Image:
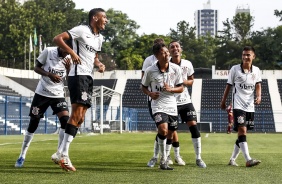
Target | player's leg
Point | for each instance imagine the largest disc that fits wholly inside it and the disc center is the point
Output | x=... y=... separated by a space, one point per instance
x=81 y=89
x=175 y=144
x=235 y=154
x=38 y=107
x=162 y=120
x=240 y=118
x=154 y=159
x=169 y=138
x=60 y=108
x=188 y=115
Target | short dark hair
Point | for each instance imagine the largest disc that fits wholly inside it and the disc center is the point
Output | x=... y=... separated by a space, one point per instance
x=94 y=12
x=157 y=47
x=173 y=42
x=249 y=48
x=158 y=40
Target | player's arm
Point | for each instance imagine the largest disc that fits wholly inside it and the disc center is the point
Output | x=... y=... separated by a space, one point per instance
x=99 y=64
x=177 y=89
x=258 y=93
x=38 y=69
x=59 y=40
x=224 y=97
x=189 y=81
x=153 y=95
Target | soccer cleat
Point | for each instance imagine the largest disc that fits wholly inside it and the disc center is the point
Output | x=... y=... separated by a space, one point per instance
x=164 y=165
x=252 y=162
x=19 y=162
x=201 y=163
x=66 y=164
x=152 y=162
x=232 y=163
x=179 y=160
x=169 y=160
x=56 y=158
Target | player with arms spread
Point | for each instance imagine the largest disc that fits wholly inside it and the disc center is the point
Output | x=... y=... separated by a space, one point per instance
x=165 y=79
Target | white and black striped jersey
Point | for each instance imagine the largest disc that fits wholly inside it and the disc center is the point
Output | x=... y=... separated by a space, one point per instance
x=244 y=86
x=154 y=78
x=86 y=44
x=187 y=70
x=52 y=63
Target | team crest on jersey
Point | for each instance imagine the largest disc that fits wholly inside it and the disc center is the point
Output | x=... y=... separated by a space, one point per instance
x=158 y=118
x=240 y=120
x=171 y=77
x=253 y=76
x=35 y=111
x=184 y=70
x=84 y=96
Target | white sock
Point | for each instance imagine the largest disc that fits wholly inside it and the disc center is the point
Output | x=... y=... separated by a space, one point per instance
x=60 y=138
x=245 y=150
x=168 y=148
x=197 y=147
x=156 y=149
x=176 y=152
x=162 y=146
x=235 y=152
x=66 y=144
x=26 y=142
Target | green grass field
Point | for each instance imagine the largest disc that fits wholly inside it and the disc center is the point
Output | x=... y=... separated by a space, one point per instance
x=122 y=158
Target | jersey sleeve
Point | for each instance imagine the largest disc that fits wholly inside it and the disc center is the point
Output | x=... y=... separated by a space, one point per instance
x=258 y=76
x=43 y=56
x=146 y=78
x=76 y=32
x=231 y=75
x=191 y=69
x=145 y=64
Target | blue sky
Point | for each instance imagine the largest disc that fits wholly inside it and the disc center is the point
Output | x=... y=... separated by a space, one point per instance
x=158 y=16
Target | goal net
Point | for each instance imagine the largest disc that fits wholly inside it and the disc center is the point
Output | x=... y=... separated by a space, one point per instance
x=106 y=110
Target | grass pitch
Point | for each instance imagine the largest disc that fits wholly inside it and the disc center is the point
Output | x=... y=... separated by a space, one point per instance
x=122 y=158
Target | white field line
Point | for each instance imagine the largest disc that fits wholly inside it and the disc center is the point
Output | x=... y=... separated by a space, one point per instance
x=4 y=144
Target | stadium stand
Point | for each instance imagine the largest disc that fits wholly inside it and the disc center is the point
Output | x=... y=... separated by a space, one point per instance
x=5 y=90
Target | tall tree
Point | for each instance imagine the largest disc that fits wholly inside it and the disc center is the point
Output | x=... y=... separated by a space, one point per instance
x=120 y=35
x=242 y=24
x=278 y=14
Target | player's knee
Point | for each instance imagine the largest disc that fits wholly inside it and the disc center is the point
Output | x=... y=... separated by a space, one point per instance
x=175 y=144
x=64 y=121
x=162 y=137
x=169 y=141
x=194 y=131
x=33 y=124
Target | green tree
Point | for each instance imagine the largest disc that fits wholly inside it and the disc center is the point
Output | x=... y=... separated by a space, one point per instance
x=120 y=35
x=242 y=24
x=278 y=14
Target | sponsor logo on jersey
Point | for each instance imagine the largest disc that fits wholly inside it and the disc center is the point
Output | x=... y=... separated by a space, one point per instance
x=57 y=72
x=247 y=87
x=35 y=110
x=90 y=48
x=191 y=113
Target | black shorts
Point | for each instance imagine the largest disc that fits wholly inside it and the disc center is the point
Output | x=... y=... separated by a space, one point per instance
x=187 y=112
x=243 y=119
x=160 y=118
x=40 y=104
x=81 y=89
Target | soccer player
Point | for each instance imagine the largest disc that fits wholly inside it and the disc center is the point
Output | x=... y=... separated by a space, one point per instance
x=185 y=106
x=229 y=111
x=245 y=78
x=87 y=42
x=165 y=79
x=149 y=61
x=53 y=65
